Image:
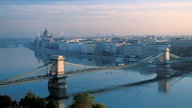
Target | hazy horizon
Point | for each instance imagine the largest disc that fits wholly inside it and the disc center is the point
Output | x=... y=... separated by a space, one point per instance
x=26 y=18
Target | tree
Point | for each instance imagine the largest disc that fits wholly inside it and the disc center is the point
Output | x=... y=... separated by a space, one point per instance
x=32 y=101
x=6 y=101
x=85 y=100
x=98 y=105
x=82 y=100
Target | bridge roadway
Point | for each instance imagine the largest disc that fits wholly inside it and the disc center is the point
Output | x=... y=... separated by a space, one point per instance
x=23 y=80
x=70 y=73
x=47 y=76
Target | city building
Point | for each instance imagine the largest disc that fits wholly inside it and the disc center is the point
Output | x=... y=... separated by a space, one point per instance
x=74 y=47
x=135 y=50
x=181 y=43
x=45 y=40
x=88 y=48
x=63 y=46
x=112 y=49
x=150 y=48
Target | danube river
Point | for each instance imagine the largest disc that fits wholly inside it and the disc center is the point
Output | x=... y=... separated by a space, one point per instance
x=167 y=93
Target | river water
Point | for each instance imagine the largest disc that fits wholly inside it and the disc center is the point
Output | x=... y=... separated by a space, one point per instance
x=169 y=93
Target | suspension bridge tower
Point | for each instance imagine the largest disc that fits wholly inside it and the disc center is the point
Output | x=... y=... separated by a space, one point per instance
x=163 y=69
x=58 y=65
x=58 y=73
x=165 y=55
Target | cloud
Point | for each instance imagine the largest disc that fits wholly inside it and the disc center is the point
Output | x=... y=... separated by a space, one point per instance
x=76 y=10
x=134 y=17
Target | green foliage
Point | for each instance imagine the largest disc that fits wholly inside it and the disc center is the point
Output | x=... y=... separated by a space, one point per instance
x=32 y=101
x=6 y=101
x=51 y=104
x=98 y=105
x=85 y=100
x=82 y=100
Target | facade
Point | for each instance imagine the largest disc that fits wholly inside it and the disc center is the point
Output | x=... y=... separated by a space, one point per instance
x=131 y=51
x=63 y=46
x=135 y=47
x=150 y=48
x=45 y=40
x=181 y=43
x=112 y=49
x=88 y=48
x=74 y=47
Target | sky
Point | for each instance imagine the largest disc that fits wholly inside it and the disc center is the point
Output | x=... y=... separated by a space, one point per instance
x=27 y=18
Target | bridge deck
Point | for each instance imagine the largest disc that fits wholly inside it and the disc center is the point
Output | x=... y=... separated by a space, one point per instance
x=22 y=78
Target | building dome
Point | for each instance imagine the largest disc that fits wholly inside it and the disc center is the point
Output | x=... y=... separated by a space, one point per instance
x=46 y=33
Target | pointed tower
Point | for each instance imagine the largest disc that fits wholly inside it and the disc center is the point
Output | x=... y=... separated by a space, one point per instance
x=46 y=34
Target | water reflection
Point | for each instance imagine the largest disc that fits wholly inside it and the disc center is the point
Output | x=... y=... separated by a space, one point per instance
x=58 y=91
x=56 y=96
x=42 y=56
x=164 y=86
x=164 y=71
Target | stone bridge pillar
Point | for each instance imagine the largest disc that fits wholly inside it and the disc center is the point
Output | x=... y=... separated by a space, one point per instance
x=58 y=65
x=165 y=56
x=57 y=71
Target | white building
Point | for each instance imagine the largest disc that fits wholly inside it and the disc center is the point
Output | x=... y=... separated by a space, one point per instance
x=132 y=51
x=88 y=48
x=74 y=47
x=150 y=48
x=63 y=46
x=181 y=43
x=45 y=40
x=112 y=49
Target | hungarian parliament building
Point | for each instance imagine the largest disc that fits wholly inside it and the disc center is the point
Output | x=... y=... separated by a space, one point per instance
x=45 y=41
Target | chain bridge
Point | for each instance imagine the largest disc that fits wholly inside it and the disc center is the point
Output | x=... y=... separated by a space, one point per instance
x=57 y=70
